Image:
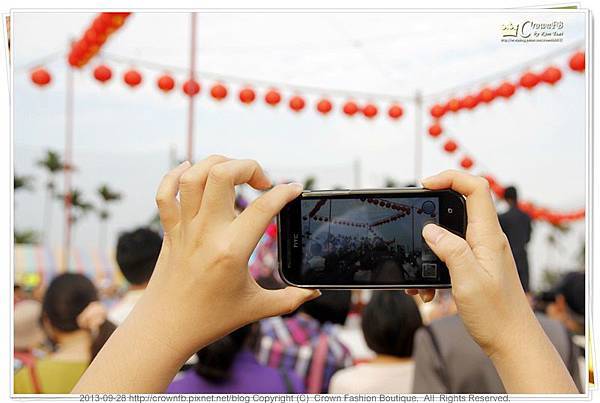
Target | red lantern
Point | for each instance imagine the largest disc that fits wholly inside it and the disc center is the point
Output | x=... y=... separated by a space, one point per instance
x=79 y=49
x=132 y=78
x=218 y=92
x=247 y=95
x=40 y=77
x=498 y=190
x=469 y=102
x=93 y=37
x=350 y=108
x=272 y=97
x=466 y=163
x=297 y=103
x=324 y=106
x=577 y=62
x=529 y=80
x=370 y=111
x=486 y=95
x=73 y=61
x=551 y=75
x=102 y=73
x=450 y=146
x=99 y=25
x=453 y=105
x=117 y=20
x=106 y=18
x=191 y=87
x=165 y=83
x=506 y=90
x=395 y=111
x=437 y=111
x=435 y=130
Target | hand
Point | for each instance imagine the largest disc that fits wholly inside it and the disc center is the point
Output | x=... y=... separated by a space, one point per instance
x=485 y=283
x=201 y=278
x=92 y=317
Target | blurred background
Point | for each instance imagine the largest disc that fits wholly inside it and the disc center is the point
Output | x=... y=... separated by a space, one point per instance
x=125 y=137
x=105 y=103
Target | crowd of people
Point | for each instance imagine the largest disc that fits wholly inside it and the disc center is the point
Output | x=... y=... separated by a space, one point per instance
x=245 y=335
x=350 y=259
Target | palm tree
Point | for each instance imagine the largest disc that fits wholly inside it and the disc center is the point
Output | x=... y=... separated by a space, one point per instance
x=28 y=237
x=23 y=182
x=53 y=164
x=309 y=183
x=79 y=205
x=108 y=196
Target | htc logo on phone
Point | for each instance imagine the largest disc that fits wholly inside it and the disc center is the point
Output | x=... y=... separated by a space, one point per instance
x=295 y=243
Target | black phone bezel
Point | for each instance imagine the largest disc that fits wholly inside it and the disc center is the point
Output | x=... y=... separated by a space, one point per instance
x=289 y=222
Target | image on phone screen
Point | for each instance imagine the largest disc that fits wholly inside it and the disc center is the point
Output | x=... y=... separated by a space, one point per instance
x=369 y=240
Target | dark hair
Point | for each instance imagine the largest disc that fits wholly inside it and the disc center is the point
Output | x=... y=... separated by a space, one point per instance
x=66 y=297
x=389 y=323
x=332 y=306
x=137 y=253
x=572 y=288
x=215 y=360
x=510 y=193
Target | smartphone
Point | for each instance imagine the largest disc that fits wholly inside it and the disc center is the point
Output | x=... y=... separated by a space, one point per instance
x=366 y=238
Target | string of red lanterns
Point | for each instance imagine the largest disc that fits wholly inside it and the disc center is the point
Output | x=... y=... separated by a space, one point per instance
x=247 y=95
x=102 y=27
x=536 y=212
x=166 y=83
x=486 y=95
x=528 y=80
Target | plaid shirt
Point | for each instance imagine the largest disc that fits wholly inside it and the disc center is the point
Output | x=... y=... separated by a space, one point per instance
x=302 y=344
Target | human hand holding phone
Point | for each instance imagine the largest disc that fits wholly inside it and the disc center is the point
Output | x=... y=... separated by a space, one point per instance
x=488 y=294
x=201 y=288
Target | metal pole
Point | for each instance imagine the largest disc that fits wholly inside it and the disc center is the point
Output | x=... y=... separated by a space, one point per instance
x=190 y=131
x=68 y=166
x=418 y=137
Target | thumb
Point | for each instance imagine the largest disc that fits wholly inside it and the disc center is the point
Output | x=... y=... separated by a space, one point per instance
x=452 y=250
x=287 y=300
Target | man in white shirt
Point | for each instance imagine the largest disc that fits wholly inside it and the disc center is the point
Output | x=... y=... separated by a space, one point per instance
x=137 y=252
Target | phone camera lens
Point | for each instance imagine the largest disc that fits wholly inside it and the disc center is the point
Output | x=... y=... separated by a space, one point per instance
x=450 y=211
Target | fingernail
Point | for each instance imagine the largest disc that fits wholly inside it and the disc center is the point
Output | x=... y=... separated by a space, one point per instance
x=296 y=186
x=432 y=233
x=184 y=164
x=426 y=297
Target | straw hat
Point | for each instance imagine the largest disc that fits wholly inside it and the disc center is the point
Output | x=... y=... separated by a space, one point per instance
x=28 y=331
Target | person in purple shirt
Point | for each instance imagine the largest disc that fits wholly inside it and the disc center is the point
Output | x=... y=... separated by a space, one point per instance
x=229 y=366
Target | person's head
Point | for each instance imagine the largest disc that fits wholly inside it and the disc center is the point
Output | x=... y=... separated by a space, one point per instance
x=65 y=299
x=511 y=195
x=568 y=304
x=137 y=253
x=215 y=360
x=332 y=306
x=389 y=323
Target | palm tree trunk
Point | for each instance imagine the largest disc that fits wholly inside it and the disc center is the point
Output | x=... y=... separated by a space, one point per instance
x=103 y=230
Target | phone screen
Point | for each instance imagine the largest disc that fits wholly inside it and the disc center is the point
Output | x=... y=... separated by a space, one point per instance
x=369 y=240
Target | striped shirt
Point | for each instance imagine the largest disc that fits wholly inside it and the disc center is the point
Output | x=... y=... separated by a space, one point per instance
x=300 y=343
